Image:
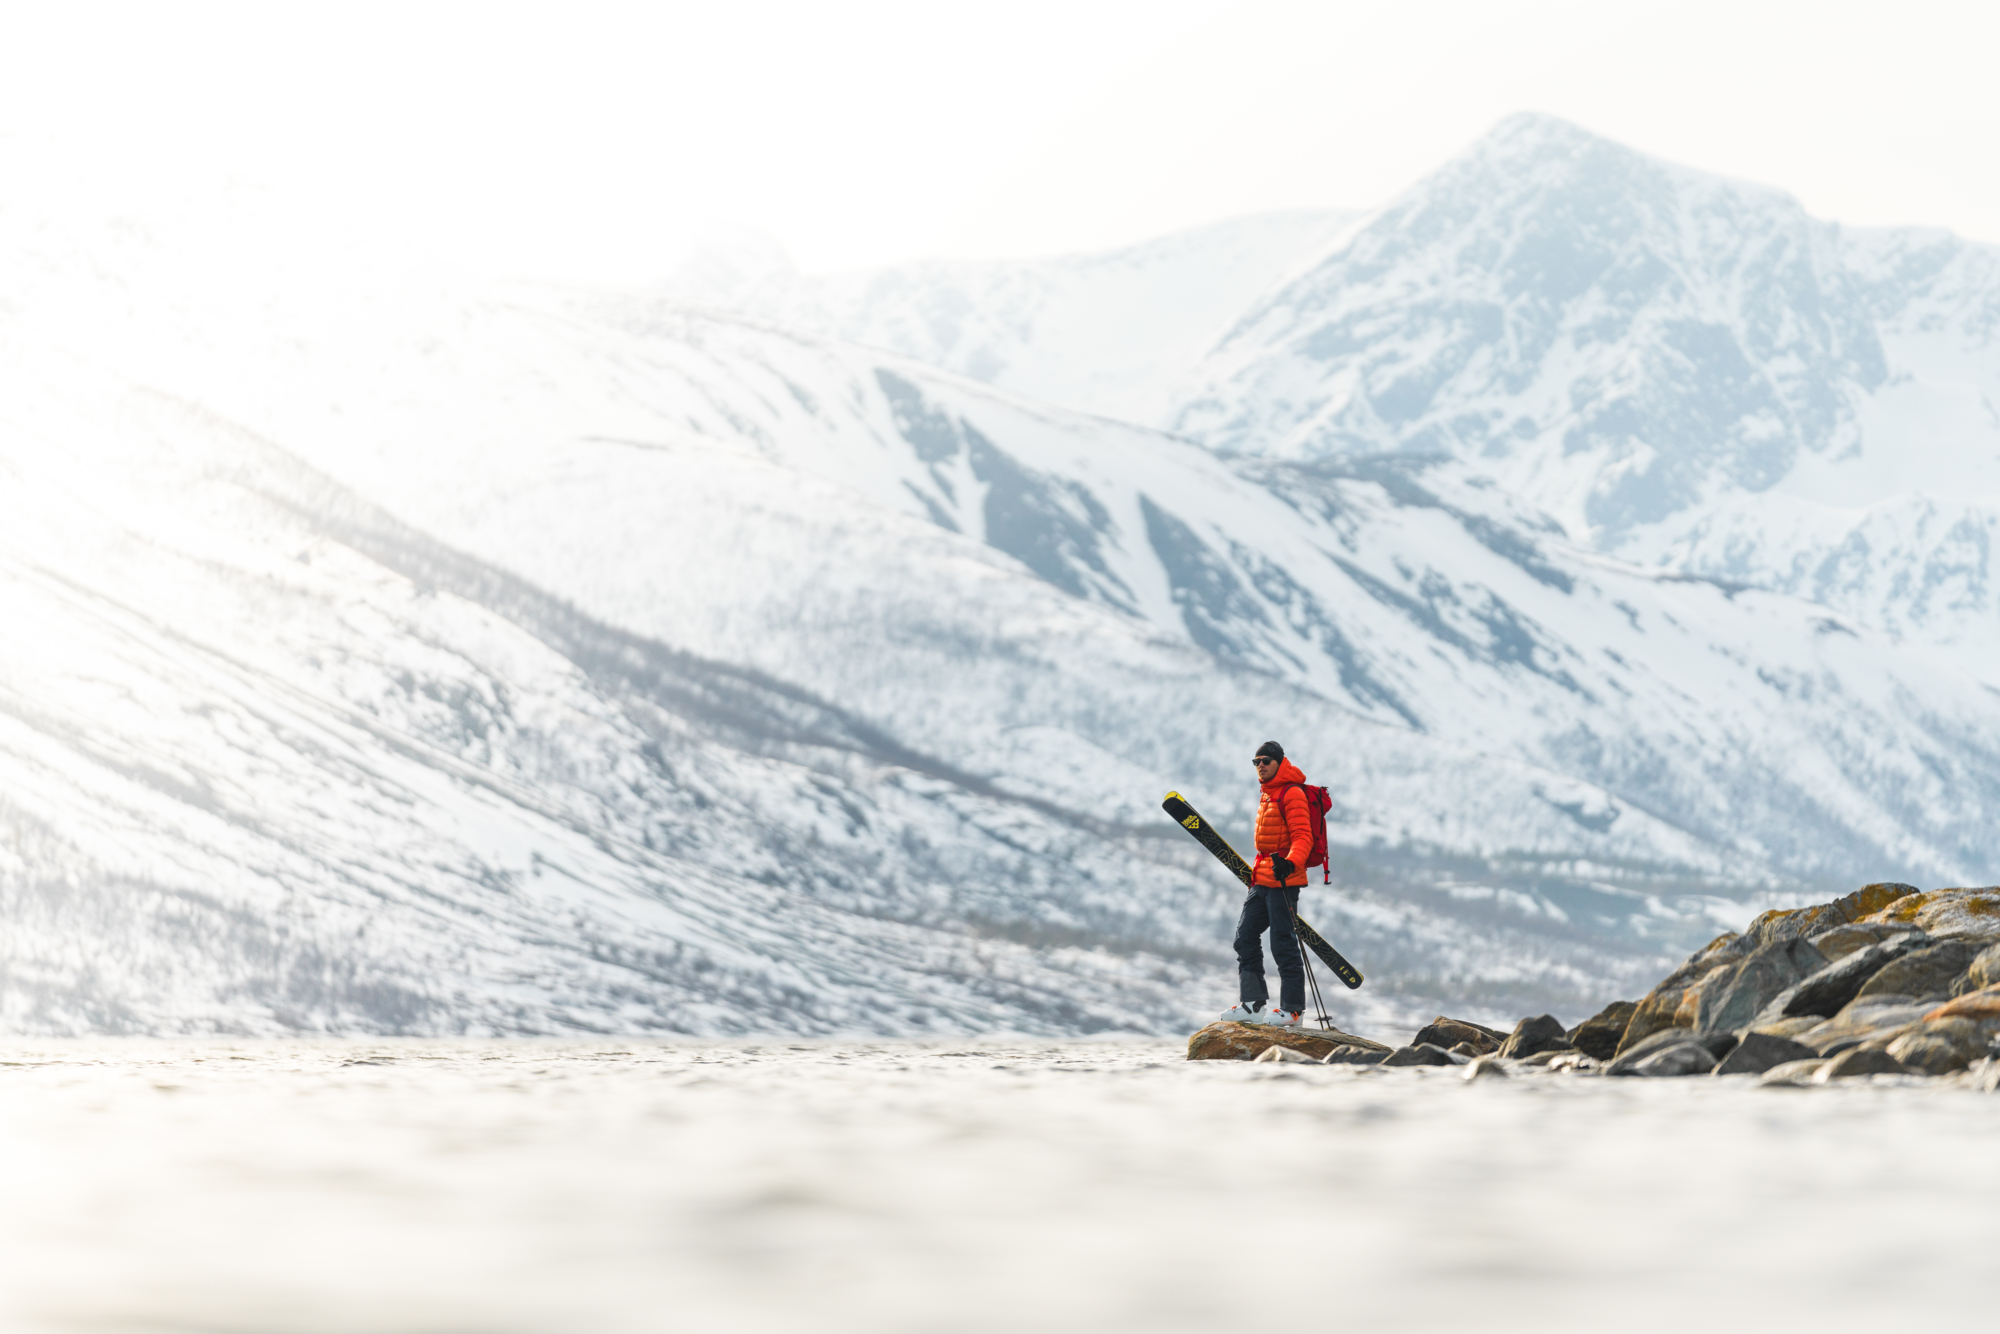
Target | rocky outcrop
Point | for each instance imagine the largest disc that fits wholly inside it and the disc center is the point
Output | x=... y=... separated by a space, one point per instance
x=1599 y=1035
x=1674 y=1003
x=1245 y=1042
x=1530 y=1036
x=1450 y=1033
x=1888 y=980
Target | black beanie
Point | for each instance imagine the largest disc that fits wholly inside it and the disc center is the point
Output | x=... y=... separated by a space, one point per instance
x=1271 y=748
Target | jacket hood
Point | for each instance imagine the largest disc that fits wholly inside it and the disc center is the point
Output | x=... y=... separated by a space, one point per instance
x=1287 y=773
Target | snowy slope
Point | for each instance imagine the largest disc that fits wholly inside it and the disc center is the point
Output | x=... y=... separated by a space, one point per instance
x=1109 y=333
x=388 y=655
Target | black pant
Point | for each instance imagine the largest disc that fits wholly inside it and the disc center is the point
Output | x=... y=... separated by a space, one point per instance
x=1270 y=910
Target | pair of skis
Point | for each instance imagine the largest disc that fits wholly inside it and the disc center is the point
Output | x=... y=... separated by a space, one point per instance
x=1184 y=815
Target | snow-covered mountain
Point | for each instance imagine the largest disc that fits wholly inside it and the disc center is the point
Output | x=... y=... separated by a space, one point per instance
x=1112 y=334
x=385 y=653
x=1682 y=369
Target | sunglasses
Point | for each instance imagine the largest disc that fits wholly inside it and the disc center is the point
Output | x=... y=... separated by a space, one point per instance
x=1263 y=760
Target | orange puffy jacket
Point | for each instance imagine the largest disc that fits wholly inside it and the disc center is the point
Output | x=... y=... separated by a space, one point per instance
x=1283 y=826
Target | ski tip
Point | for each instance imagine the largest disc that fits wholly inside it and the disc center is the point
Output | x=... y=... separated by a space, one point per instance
x=1173 y=796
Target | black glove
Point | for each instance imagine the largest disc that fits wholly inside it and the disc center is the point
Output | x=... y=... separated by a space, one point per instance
x=1283 y=868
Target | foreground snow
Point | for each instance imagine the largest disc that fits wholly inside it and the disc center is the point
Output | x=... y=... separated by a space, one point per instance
x=992 y=1185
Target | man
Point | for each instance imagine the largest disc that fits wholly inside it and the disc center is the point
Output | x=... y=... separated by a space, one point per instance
x=1284 y=841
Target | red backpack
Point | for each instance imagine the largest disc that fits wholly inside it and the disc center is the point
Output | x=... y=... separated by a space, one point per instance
x=1316 y=803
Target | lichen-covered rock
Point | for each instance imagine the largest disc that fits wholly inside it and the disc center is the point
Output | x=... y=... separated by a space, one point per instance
x=1670 y=1005
x=1963 y=911
x=1982 y=1005
x=1829 y=990
x=1244 y=1042
x=1346 y=1055
x=1420 y=1053
x=1657 y=1009
x=1924 y=972
x=1865 y=1018
x=1859 y=1061
x=1544 y=1032
x=1449 y=1033
x=1758 y=1052
x=1599 y=1035
x=1733 y=999
x=1836 y=943
x=1984 y=972
x=1790 y=1028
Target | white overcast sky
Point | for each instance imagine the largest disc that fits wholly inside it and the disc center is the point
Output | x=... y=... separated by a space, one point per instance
x=591 y=140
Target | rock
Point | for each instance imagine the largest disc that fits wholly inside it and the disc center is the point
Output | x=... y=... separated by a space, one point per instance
x=1830 y=989
x=1277 y=1052
x=1984 y=972
x=1685 y=1058
x=1733 y=999
x=1420 y=1053
x=1347 y=1055
x=1758 y=1052
x=1542 y=1033
x=1663 y=1007
x=1864 y=1018
x=1792 y=1074
x=1598 y=1035
x=1860 y=1061
x=1449 y=1033
x=1467 y=1050
x=1656 y=1010
x=1243 y=1042
x=1836 y=943
x=1986 y=1075
x=1664 y=1040
x=1573 y=1062
x=1983 y=1005
x=1928 y=1053
x=1541 y=1058
x=1969 y=911
x=1924 y=972
x=1489 y=1066
x=1790 y=1028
